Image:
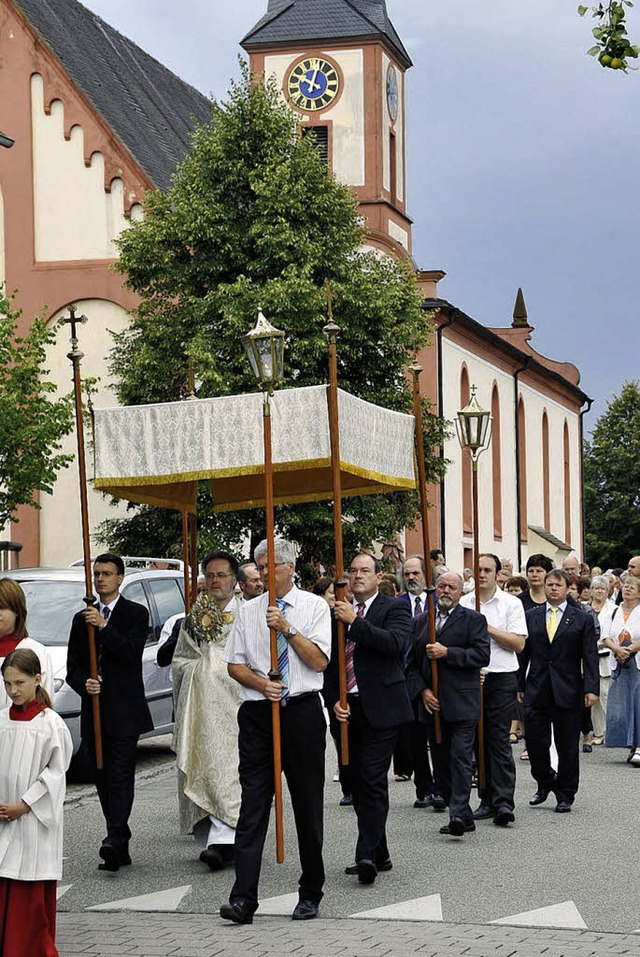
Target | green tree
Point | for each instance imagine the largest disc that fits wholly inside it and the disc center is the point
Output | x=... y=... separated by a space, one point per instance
x=253 y=218
x=612 y=481
x=32 y=422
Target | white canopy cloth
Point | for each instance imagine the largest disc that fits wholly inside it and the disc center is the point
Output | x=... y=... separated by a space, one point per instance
x=156 y=454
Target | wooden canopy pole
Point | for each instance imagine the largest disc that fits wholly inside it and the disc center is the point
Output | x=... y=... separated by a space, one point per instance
x=193 y=538
x=415 y=371
x=274 y=673
x=332 y=331
x=75 y=355
x=186 y=563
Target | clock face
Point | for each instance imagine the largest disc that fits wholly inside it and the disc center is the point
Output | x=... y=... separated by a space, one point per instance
x=392 y=93
x=313 y=84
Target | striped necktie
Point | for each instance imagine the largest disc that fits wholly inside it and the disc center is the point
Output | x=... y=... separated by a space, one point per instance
x=417 y=607
x=283 y=653
x=348 y=653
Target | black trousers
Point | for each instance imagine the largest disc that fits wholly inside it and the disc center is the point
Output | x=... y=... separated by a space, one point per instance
x=116 y=785
x=566 y=725
x=303 y=731
x=370 y=753
x=453 y=766
x=499 y=696
x=411 y=753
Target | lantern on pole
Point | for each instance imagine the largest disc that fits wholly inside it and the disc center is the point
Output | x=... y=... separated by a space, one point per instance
x=264 y=346
x=473 y=425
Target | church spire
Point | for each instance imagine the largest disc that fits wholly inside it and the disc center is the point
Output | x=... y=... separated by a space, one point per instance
x=520 y=318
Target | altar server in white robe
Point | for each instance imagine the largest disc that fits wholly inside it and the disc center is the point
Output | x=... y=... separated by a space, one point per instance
x=35 y=751
x=206 y=702
x=13 y=634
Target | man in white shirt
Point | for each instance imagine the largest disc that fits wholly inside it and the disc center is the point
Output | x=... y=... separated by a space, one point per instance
x=507 y=628
x=303 y=624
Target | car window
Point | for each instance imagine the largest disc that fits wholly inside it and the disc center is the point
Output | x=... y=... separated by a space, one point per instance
x=168 y=597
x=134 y=591
x=50 y=607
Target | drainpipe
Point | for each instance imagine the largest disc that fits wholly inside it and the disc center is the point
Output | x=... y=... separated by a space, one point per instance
x=517 y=433
x=440 y=330
x=583 y=412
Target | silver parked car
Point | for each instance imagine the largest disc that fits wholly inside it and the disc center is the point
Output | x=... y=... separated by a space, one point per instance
x=54 y=595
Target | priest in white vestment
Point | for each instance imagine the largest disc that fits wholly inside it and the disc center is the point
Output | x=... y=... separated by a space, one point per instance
x=206 y=702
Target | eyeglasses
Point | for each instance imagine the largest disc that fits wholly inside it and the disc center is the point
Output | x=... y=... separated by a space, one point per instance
x=263 y=568
x=211 y=576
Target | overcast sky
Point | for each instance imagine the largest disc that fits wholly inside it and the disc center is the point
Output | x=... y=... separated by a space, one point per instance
x=522 y=159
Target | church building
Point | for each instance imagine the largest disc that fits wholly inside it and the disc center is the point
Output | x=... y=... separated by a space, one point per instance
x=96 y=122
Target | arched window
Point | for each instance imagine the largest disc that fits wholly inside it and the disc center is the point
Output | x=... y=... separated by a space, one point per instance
x=467 y=506
x=566 y=458
x=546 y=475
x=496 y=462
x=522 y=469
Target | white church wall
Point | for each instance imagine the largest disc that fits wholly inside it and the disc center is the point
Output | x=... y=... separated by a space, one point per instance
x=60 y=527
x=74 y=218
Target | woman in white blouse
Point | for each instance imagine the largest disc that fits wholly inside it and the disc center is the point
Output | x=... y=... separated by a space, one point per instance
x=623 y=707
x=604 y=609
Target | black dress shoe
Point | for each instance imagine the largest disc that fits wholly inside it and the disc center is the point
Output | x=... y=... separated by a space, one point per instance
x=563 y=807
x=238 y=911
x=541 y=795
x=346 y=800
x=503 y=816
x=212 y=857
x=352 y=869
x=483 y=812
x=422 y=802
x=110 y=855
x=438 y=803
x=305 y=910
x=457 y=827
x=586 y=749
x=367 y=872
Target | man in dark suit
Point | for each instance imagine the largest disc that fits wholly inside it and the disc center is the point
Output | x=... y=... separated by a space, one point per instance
x=121 y=629
x=411 y=754
x=377 y=704
x=461 y=649
x=563 y=676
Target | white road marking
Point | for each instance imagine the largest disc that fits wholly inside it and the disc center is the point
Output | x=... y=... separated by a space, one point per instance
x=62 y=890
x=168 y=900
x=279 y=906
x=421 y=908
x=557 y=915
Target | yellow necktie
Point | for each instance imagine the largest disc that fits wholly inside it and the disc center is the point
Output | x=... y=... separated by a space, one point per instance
x=552 y=624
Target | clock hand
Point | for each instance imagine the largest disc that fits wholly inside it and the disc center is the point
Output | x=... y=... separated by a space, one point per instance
x=312 y=82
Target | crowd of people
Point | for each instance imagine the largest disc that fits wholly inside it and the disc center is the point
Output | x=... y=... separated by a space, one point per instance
x=440 y=682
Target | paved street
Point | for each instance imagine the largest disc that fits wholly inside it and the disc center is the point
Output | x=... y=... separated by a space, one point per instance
x=563 y=872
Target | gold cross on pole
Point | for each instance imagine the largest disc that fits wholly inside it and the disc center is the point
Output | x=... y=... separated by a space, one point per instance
x=73 y=321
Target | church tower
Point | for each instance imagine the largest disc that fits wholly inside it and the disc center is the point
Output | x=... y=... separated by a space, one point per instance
x=341 y=66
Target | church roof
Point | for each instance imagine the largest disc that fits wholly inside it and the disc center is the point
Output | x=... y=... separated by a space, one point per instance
x=147 y=106
x=295 y=21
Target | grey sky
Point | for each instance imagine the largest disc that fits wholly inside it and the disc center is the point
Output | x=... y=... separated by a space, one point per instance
x=522 y=159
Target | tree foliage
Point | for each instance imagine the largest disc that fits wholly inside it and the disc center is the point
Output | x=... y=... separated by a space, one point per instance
x=253 y=218
x=613 y=47
x=32 y=422
x=612 y=481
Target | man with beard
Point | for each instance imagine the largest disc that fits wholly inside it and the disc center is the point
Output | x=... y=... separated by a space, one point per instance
x=206 y=702
x=461 y=649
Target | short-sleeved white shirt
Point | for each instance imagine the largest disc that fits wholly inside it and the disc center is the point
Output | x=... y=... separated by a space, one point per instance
x=249 y=642
x=506 y=613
